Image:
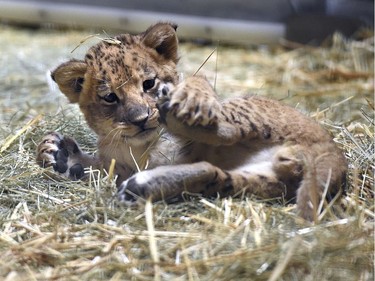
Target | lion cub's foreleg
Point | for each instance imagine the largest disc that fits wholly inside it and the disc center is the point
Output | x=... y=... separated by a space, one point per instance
x=167 y=182
x=192 y=111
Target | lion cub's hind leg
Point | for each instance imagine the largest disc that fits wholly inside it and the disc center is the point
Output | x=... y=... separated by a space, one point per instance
x=310 y=171
x=324 y=176
x=272 y=173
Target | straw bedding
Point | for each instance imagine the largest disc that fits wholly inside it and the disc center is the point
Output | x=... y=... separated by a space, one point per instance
x=54 y=229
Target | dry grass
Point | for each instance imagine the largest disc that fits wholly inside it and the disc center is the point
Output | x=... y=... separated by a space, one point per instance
x=54 y=229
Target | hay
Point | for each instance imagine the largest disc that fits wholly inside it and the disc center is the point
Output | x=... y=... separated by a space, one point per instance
x=55 y=229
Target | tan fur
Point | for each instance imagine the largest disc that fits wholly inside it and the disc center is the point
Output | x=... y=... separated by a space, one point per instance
x=129 y=91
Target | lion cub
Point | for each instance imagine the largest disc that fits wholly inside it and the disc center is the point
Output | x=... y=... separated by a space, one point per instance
x=181 y=135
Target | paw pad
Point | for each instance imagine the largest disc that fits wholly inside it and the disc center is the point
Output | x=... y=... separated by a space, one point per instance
x=60 y=153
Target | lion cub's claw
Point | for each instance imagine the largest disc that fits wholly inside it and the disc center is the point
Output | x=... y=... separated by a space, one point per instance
x=47 y=150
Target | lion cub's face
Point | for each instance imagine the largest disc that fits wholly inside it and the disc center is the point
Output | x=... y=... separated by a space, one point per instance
x=117 y=83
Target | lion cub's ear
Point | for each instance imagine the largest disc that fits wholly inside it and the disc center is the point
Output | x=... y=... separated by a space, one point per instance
x=162 y=37
x=70 y=77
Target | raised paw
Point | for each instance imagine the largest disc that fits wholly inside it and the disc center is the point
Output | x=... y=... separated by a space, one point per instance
x=62 y=154
x=193 y=102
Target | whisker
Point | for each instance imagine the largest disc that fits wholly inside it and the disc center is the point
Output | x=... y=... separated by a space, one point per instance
x=115 y=141
x=115 y=138
x=110 y=133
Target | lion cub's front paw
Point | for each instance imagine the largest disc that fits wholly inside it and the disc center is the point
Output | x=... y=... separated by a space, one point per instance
x=60 y=153
x=155 y=184
x=193 y=102
x=142 y=185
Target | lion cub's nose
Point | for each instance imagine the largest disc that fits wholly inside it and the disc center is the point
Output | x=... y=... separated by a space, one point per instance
x=139 y=117
x=140 y=121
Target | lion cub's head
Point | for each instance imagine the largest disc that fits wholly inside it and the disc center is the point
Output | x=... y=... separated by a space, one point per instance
x=117 y=83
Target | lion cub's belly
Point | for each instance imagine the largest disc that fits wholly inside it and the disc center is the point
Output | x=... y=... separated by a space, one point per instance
x=239 y=157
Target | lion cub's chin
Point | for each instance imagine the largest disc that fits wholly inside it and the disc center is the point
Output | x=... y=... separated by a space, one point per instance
x=142 y=138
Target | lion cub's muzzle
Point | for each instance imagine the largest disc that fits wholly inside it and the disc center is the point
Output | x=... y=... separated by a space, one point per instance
x=141 y=121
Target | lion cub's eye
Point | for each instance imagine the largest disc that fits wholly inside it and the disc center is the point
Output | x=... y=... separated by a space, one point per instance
x=148 y=84
x=110 y=98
